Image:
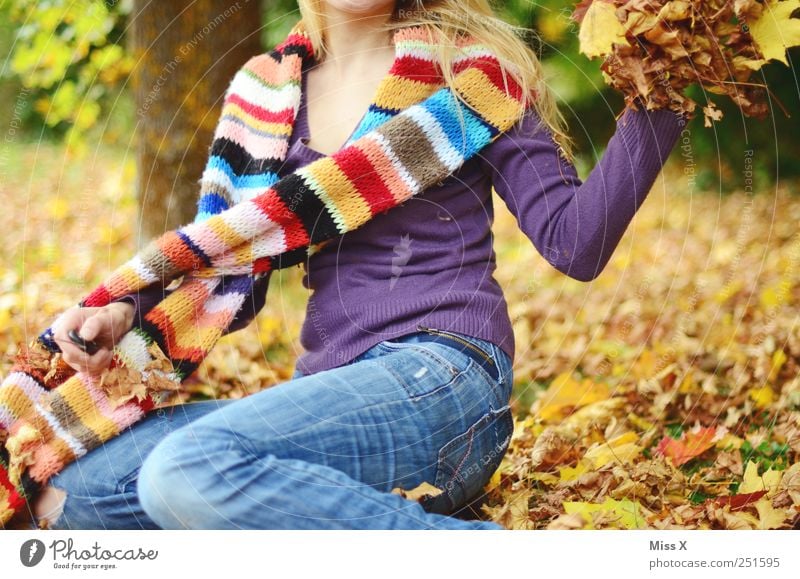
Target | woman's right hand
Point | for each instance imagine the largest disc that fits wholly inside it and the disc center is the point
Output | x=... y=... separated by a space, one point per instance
x=105 y=326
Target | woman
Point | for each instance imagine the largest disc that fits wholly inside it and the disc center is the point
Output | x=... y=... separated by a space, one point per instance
x=407 y=371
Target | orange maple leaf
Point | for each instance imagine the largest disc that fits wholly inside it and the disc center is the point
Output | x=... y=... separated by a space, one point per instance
x=691 y=444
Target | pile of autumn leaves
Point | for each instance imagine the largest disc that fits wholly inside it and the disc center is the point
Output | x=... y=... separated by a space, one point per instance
x=590 y=458
x=666 y=393
x=655 y=49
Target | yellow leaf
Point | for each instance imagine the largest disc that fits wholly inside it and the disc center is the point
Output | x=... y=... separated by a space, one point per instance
x=768 y=516
x=621 y=449
x=778 y=359
x=775 y=30
x=109 y=235
x=639 y=422
x=687 y=384
x=569 y=473
x=594 y=413
x=495 y=480
x=647 y=365
x=545 y=477
x=773 y=296
x=752 y=64
x=729 y=440
x=763 y=397
x=21 y=446
x=728 y=290
x=600 y=30
x=629 y=514
x=565 y=393
x=753 y=482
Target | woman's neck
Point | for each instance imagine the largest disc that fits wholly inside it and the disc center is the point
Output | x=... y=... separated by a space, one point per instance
x=352 y=38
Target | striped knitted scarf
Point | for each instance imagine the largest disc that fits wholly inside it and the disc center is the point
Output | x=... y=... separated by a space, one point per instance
x=250 y=220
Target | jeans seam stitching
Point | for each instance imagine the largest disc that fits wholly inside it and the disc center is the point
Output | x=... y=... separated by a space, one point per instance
x=442 y=455
x=464 y=458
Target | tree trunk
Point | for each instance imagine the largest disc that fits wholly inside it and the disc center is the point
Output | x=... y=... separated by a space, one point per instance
x=187 y=52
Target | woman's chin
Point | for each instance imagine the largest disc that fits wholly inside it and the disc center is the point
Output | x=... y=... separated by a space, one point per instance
x=361 y=7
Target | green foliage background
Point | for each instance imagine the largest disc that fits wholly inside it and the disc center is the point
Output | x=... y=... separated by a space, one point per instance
x=66 y=77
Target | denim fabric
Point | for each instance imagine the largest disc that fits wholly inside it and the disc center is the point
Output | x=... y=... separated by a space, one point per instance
x=321 y=451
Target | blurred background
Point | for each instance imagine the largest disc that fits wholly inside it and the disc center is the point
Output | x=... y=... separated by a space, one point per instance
x=109 y=110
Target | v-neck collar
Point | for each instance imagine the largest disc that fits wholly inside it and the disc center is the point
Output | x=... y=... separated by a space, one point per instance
x=305 y=129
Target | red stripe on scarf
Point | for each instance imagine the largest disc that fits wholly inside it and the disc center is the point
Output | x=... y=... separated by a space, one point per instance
x=262 y=114
x=98 y=298
x=276 y=211
x=418 y=69
x=295 y=39
x=262 y=265
x=491 y=67
x=363 y=175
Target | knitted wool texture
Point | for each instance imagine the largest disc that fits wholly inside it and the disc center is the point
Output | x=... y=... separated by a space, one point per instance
x=250 y=220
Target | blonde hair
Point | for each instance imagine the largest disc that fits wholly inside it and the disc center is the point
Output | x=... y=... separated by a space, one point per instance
x=445 y=20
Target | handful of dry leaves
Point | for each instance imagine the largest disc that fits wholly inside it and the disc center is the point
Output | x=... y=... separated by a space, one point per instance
x=655 y=49
x=123 y=382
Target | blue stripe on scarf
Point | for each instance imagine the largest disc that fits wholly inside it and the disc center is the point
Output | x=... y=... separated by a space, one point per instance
x=442 y=105
x=266 y=180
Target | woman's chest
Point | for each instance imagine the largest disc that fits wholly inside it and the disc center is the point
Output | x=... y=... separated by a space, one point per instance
x=335 y=106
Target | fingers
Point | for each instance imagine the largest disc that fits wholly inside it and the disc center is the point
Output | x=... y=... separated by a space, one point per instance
x=82 y=361
x=89 y=323
x=95 y=326
x=108 y=324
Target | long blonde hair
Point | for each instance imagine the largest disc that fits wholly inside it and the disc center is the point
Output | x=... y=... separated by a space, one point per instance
x=447 y=19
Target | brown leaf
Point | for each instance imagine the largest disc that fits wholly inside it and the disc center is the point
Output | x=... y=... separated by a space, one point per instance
x=552 y=447
x=654 y=51
x=423 y=491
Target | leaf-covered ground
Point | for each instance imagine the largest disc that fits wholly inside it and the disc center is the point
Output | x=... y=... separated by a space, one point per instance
x=664 y=394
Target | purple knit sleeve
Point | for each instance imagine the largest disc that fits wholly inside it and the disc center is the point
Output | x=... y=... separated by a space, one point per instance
x=252 y=304
x=577 y=225
x=145 y=300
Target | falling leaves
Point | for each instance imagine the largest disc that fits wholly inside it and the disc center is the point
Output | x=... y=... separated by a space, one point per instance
x=654 y=51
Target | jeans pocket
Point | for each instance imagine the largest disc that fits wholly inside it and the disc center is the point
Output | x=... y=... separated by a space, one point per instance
x=467 y=462
x=418 y=367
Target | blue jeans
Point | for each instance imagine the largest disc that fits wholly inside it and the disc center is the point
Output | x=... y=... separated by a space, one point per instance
x=316 y=452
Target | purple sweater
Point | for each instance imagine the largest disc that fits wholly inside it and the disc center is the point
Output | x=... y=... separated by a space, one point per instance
x=430 y=260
